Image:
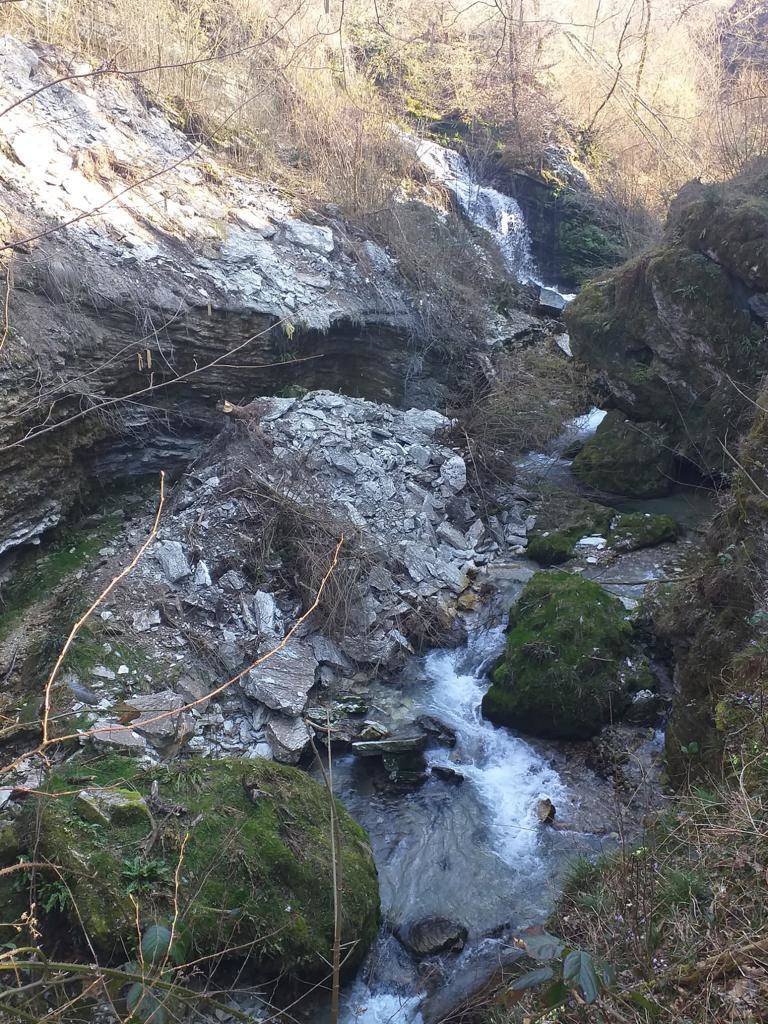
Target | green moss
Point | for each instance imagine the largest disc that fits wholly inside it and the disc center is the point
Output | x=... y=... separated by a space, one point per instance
x=564 y=518
x=626 y=458
x=564 y=671
x=38 y=574
x=256 y=873
x=631 y=531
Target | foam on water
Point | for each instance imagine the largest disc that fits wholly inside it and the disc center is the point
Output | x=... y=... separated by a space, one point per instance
x=509 y=775
x=366 y=1007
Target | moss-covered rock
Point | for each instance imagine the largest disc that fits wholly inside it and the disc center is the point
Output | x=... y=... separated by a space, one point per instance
x=564 y=673
x=667 y=330
x=631 y=531
x=248 y=840
x=627 y=458
x=564 y=518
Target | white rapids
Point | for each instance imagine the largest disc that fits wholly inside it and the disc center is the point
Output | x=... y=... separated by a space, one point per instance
x=471 y=851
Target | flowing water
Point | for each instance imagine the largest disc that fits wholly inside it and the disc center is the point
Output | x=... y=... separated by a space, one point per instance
x=494 y=212
x=473 y=853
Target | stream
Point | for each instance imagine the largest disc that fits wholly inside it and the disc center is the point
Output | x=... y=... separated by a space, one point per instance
x=473 y=853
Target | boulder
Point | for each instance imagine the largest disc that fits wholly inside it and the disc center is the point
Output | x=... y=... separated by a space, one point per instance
x=669 y=331
x=288 y=738
x=564 y=673
x=550 y=302
x=166 y=731
x=256 y=856
x=635 y=459
x=438 y=731
x=546 y=811
x=447 y=774
x=433 y=935
x=283 y=681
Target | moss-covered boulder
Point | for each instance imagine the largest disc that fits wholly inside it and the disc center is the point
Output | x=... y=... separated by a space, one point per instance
x=627 y=458
x=631 y=531
x=669 y=331
x=565 y=672
x=244 y=847
x=564 y=518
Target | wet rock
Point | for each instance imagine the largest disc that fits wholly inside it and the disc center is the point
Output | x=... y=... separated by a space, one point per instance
x=373 y=731
x=644 y=709
x=433 y=935
x=172 y=559
x=283 y=682
x=437 y=730
x=405 y=770
x=447 y=774
x=545 y=811
x=392 y=745
x=627 y=458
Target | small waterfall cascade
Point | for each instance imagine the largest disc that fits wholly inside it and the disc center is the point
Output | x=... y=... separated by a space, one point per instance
x=498 y=214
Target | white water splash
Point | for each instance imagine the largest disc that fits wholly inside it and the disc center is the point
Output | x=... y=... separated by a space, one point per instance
x=366 y=1007
x=509 y=775
x=494 y=212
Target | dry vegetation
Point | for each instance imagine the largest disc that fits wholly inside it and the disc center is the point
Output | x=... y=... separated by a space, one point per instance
x=650 y=93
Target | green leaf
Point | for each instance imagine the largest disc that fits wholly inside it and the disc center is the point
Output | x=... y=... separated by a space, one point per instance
x=555 y=995
x=541 y=945
x=651 y=1007
x=158 y=946
x=144 y=1006
x=533 y=978
x=579 y=969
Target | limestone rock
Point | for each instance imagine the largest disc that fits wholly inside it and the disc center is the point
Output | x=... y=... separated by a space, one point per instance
x=284 y=680
x=308 y=236
x=288 y=738
x=391 y=745
x=172 y=559
x=112 y=806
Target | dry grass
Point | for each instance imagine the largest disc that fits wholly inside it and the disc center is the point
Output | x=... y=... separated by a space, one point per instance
x=517 y=404
x=650 y=94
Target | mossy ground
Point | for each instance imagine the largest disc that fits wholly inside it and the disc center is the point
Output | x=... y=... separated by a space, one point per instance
x=40 y=572
x=564 y=672
x=254 y=875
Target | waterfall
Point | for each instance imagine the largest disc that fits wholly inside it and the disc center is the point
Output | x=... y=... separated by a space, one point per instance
x=494 y=212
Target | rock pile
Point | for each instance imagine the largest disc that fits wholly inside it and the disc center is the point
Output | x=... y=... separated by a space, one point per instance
x=389 y=481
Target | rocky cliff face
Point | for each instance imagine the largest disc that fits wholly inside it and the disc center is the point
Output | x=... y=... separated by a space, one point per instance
x=677 y=336
x=142 y=267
